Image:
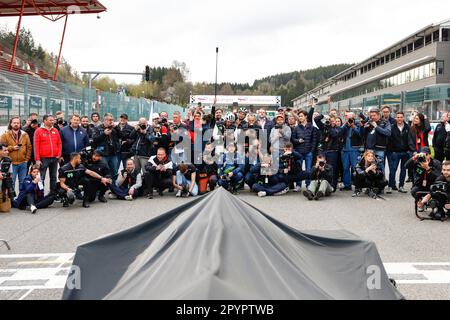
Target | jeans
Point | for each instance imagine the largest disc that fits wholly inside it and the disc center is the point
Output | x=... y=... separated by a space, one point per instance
x=122 y=192
x=323 y=186
x=21 y=171
x=235 y=181
x=395 y=159
x=52 y=165
x=140 y=163
x=332 y=159
x=308 y=159
x=182 y=181
x=349 y=161
x=113 y=164
x=269 y=189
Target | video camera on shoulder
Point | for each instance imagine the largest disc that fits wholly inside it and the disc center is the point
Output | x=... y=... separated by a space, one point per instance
x=86 y=154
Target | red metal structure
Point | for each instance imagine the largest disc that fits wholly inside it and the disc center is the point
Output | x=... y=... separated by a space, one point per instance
x=52 y=10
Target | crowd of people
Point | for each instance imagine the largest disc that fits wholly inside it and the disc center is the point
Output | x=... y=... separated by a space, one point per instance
x=98 y=158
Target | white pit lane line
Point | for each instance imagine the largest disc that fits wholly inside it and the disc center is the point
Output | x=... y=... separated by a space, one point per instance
x=17 y=272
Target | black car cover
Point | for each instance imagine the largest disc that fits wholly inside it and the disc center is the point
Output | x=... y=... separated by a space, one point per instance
x=218 y=247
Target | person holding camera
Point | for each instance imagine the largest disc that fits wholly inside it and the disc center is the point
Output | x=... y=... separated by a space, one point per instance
x=6 y=186
x=304 y=140
x=126 y=141
x=178 y=136
x=19 y=149
x=60 y=121
x=231 y=170
x=368 y=174
x=48 y=150
x=353 y=143
x=440 y=193
x=397 y=153
x=73 y=138
x=158 y=173
x=322 y=180
x=425 y=171
x=129 y=183
x=184 y=181
x=377 y=133
x=207 y=171
x=143 y=144
x=291 y=168
x=97 y=188
x=32 y=193
x=106 y=140
x=30 y=128
x=268 y=181
x=73 y=175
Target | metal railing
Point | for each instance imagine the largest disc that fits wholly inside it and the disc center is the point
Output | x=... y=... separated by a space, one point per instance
x=21 y=95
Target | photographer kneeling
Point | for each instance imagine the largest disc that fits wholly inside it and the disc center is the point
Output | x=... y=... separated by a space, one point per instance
x=32 y=193
x=322 y=180
x=158 y=173
x=439 y=196
x=128 y=184
x=291 y=165
x=268 y=180
x=71 y=176
x=6 y=183
x=93 y=161
x=369 y=174
x=425 y=172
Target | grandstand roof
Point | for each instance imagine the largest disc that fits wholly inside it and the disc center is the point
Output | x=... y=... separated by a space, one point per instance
x=9 y=8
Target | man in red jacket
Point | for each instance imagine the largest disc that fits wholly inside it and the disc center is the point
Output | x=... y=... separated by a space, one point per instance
x=47 y=150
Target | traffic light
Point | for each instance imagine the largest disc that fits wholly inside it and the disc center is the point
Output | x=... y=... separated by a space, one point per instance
x=147 y=73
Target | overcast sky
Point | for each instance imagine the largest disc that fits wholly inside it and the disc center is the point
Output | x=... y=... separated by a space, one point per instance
x=257 y=38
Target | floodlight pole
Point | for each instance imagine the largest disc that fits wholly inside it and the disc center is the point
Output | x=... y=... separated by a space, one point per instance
x=16 y=41
x=60 y=49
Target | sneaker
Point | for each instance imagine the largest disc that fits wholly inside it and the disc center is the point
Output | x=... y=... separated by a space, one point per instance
x=102 y=199
x=308 y=194
x=347 y=189
x=129 y=198
x=389 y=190
x=319 y=195
x=178 y=195
x=298 y=189
x=112 y=196
x=282 y=192
x=357 y=193
x=402 y=190
x=33 y=209
x=262 y=194
x=395 y=188
x=150 y=195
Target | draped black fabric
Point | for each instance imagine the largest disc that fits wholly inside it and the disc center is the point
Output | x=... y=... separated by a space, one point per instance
x=218 y=247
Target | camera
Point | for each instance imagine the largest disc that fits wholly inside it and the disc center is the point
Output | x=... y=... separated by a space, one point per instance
x=86 y=155
x=421 y=158
x=351 y=121
x=60 y=121
x=322 y=164
x=328 y=123
x=439 y=187
x=314 y=98
x=279 y=126
x=5 y=168
x=164 y=121
x=143 y=126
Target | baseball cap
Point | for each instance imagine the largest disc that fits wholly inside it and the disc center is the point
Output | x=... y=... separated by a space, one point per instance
x=124 y=116
x=426 y=150
x=155 y=116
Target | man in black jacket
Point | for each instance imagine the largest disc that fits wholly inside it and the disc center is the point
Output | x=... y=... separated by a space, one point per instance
x=106 y=139
x=126 y=142
x=143 y=144
x=397 y=153
x=158 y=173
x=439 y=137
x=99 y=166
x=425 y=170
x=322 y=180
x=330 y=140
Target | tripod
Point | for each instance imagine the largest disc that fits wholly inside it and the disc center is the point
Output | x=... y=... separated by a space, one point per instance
x=6 y=244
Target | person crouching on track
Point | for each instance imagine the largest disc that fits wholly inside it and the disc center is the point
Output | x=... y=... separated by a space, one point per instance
x=184 y=181
x=369 y=174
x=322 y=180
x=231 y=172
x=32 y=193
x=158 y=173
x=71 y=176
x=128 y=185
x=207 y=171
x=269 y=182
